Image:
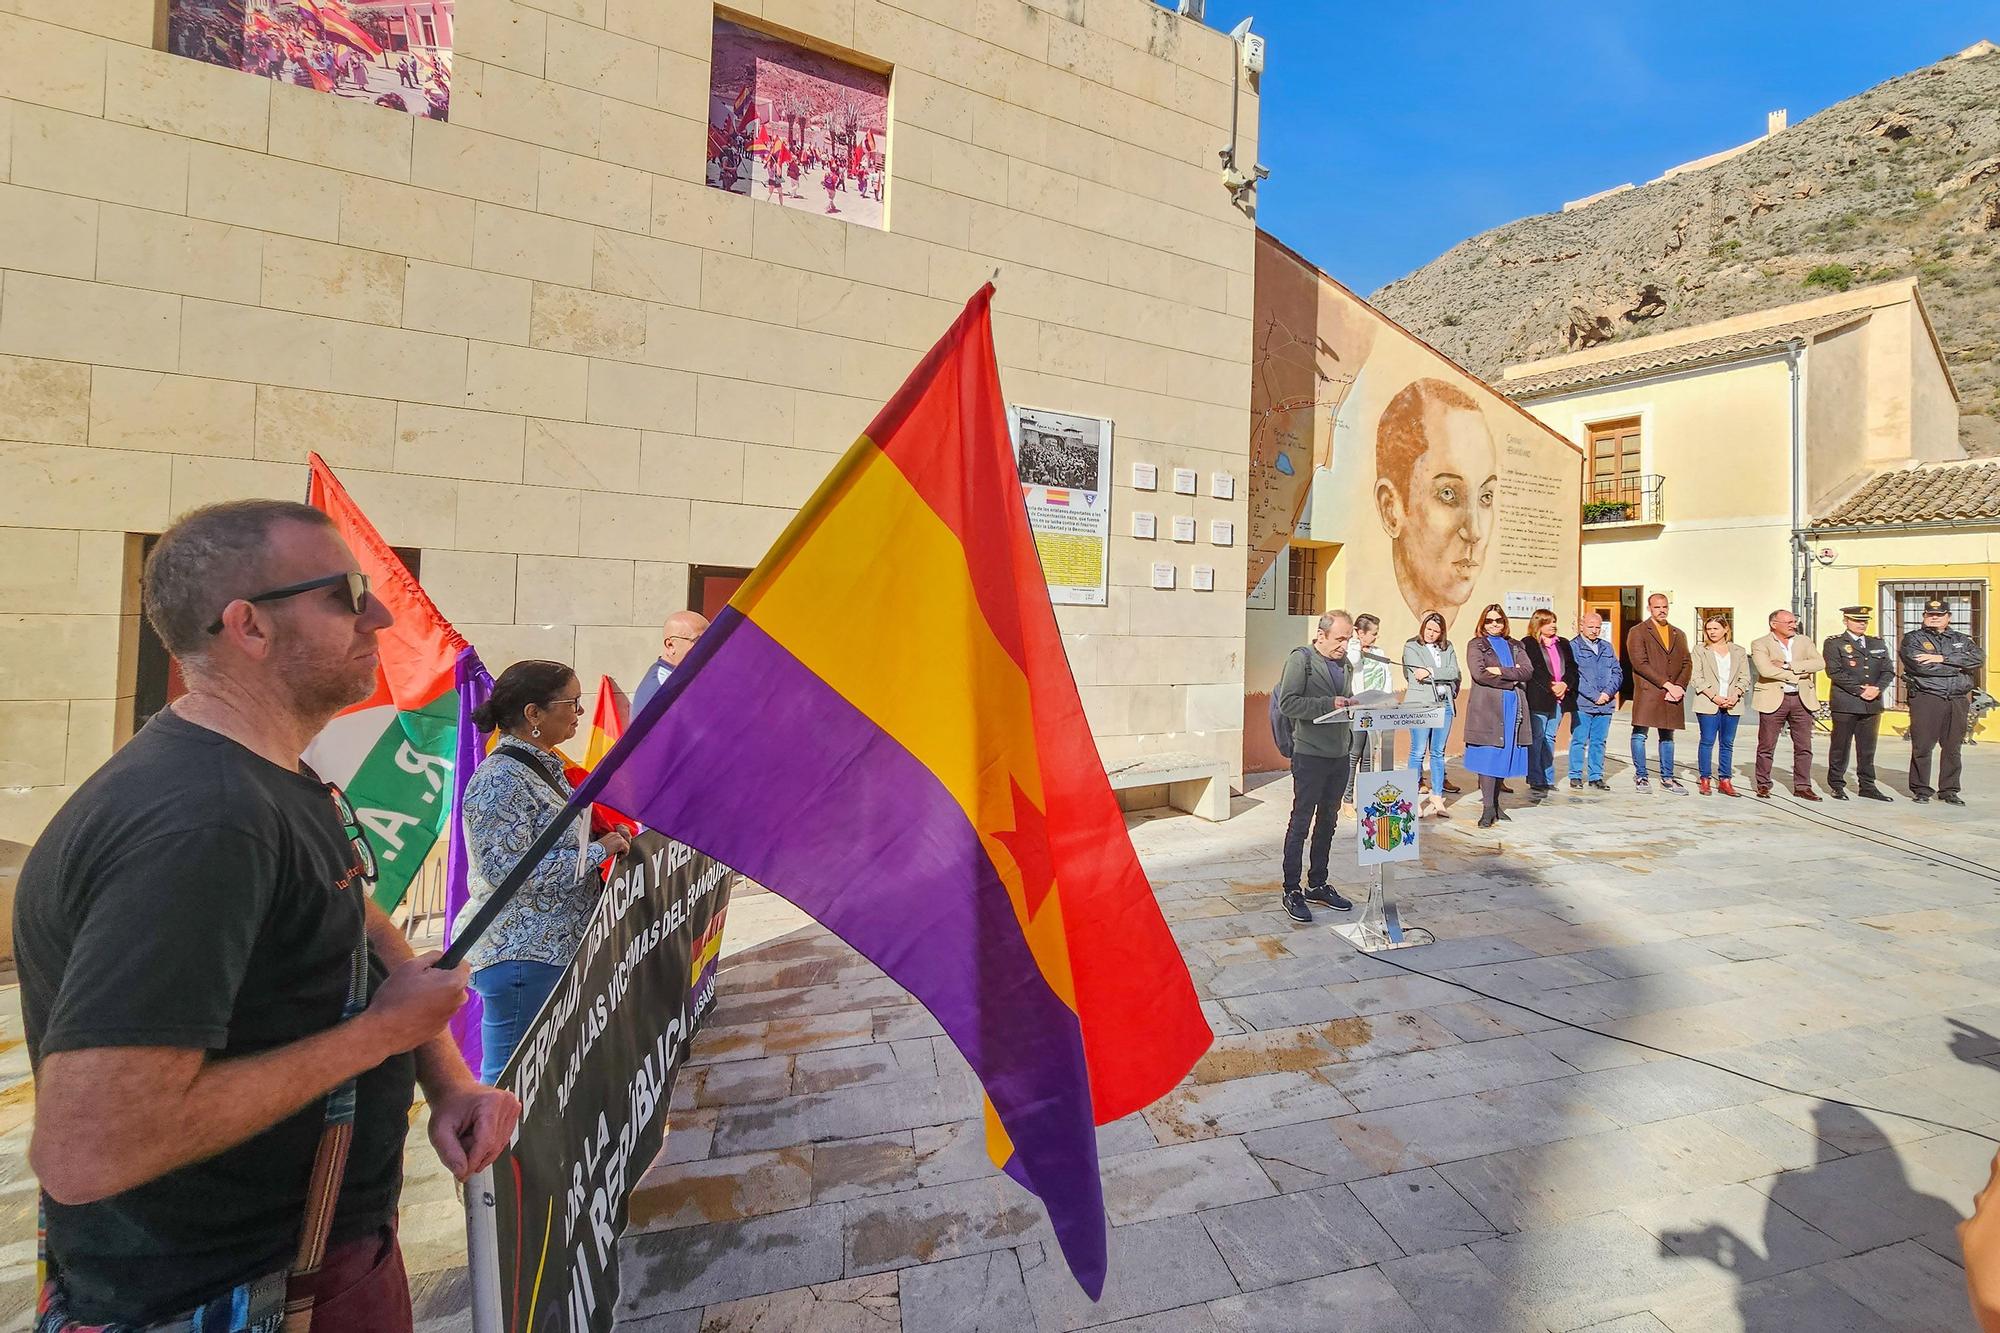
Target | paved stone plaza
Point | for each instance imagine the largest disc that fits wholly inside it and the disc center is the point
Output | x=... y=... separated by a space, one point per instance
x=1363 y=1149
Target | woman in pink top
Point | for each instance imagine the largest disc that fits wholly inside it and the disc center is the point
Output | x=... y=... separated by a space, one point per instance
x=1551 y=693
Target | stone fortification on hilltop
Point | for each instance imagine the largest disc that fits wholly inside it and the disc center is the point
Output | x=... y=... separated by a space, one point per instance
x=1903 y=179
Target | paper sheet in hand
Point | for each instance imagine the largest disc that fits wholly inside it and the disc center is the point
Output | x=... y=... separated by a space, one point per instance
x=1370 y=699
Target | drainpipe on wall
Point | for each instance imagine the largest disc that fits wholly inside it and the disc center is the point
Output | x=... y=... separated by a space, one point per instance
x=1802 y=589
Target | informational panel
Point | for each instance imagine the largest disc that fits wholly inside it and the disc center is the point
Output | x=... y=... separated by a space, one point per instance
x=594 y=1074
x=1065 y=466
x=1518 y=604
x=1386 y=824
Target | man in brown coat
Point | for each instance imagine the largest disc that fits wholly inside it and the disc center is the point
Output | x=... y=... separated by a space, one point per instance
x=1656 y=655
x=1786 y=697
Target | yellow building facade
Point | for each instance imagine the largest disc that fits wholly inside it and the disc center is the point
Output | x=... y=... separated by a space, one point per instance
x=1912 y=533
x=574 y=351
x=1710 y=450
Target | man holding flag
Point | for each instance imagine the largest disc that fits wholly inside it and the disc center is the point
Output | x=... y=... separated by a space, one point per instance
x=225 y=1031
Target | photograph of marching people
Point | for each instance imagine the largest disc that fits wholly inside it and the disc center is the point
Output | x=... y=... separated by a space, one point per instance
x=797 y=128
x=394 y=53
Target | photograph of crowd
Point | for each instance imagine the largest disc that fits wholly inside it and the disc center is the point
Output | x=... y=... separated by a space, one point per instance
x=795 y=127
x=394 y=53
x=1056 y=449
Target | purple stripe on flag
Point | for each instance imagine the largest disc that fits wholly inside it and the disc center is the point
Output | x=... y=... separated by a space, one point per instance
x=748 y=756
x=474 y=684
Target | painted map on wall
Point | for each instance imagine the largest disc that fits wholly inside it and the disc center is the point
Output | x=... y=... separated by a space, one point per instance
x=394 y=53
x=1308 y=346
x=795 y=127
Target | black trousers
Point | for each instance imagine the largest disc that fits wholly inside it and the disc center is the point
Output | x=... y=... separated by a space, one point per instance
x=1858 y=731
x=1936 y=723
x=1317 y=786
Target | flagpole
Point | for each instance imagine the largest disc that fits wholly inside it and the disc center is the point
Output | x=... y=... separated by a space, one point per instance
x=482 y=1246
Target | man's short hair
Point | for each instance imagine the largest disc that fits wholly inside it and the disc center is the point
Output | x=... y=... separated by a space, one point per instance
x=1327 y=621
x=207 y=559
x=1367 y=621
x=1656 y=597
x=1771 y=621
x=1400 y=436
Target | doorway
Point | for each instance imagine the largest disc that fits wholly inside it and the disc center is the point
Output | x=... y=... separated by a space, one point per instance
x=1619 y=606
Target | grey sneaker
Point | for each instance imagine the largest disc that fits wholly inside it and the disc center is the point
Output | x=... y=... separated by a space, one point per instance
x=1295 y=906
x=1642 y=784
x=1576 y=784
x=1674 y=785
x=1326 y=897
x=1600 y=785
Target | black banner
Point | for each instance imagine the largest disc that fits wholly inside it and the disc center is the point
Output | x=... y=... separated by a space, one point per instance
x=594 y=1074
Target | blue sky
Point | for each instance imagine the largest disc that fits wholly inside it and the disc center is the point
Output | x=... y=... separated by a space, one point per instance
x=1395 y=130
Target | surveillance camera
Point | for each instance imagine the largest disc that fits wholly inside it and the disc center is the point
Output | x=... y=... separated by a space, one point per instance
x=1263 y=172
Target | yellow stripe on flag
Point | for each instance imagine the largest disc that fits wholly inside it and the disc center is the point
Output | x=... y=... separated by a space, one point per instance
x=902 y=638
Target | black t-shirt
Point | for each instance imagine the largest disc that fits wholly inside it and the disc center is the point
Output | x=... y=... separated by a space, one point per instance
x=192 y=894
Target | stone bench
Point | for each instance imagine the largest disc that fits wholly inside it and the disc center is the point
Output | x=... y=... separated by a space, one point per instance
x=1195 y=783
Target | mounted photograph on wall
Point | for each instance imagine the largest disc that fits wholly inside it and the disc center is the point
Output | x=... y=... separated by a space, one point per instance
x=394 y=53
x=1064 y=461
x=796 y=127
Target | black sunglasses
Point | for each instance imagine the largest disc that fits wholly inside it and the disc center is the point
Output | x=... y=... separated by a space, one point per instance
x=356 y=584
x=355 y=834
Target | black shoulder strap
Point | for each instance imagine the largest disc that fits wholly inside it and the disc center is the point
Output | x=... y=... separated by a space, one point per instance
x=534 y=768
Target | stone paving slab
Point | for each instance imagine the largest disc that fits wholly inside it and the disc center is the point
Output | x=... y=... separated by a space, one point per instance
x=1362 y=1147
x=1366 y=1148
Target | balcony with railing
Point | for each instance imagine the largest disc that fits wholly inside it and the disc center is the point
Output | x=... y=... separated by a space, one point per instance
x=1624 y=502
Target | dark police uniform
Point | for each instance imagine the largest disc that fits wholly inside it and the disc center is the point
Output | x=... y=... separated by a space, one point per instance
x=1940 y=697
x=1852 y=663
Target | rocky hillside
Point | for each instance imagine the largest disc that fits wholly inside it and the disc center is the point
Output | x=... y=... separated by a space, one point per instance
x=1902 y=179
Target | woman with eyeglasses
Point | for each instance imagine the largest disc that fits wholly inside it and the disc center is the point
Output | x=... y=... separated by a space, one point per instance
x=514 y=793
x=1430 y=665
x=1496 y=714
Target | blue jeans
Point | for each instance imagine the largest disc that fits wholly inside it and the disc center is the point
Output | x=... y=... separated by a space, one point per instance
x=513 y=992
x=1586 y=737
x=1666 y=752
x=1718 y=732
x=1431 y=743
x=1542 y=729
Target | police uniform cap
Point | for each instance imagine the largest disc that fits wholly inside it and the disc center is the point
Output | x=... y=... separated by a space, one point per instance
x=1855 y=612
x=1936 y=606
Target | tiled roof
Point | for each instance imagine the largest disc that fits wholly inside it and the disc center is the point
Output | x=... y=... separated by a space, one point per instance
x=1683 y=356
x=1924 y=494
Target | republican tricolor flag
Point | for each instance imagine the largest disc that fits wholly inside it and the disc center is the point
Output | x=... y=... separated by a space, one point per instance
x=882 y=727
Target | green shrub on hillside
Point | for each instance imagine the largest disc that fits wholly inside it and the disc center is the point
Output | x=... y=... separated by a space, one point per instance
x=1839 y=277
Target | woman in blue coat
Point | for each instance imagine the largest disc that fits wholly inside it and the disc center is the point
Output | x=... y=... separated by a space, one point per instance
x=1496 y=714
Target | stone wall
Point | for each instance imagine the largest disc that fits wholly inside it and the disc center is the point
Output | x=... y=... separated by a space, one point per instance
x=538 y=348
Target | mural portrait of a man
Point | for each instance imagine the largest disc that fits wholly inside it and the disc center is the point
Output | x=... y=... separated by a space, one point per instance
x=1436 y=474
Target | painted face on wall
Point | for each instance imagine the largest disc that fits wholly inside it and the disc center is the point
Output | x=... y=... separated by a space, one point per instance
x=1441 y=523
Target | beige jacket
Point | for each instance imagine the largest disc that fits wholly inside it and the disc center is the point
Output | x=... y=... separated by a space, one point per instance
x=1773 y=675
x=1706 y=682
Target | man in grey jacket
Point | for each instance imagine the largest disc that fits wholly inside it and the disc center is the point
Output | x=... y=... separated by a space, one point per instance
x=1314 y=683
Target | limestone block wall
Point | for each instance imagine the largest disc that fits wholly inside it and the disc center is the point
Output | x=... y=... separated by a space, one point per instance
x=542 y=352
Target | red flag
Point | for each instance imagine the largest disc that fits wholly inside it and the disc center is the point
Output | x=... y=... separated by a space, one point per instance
x=336 y=23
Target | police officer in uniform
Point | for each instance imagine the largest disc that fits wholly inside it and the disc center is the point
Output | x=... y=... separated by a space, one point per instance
x=1938 y=663
x=1860 y=667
